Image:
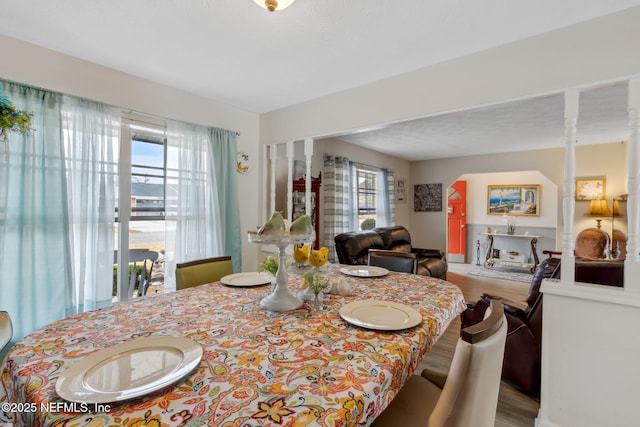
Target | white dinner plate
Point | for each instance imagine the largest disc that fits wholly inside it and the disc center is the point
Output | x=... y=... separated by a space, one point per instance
x=131 y=369
x=380 y=315
x=246 y=279
x=364 y=271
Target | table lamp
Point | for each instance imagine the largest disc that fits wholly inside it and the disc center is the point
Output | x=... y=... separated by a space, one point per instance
x=600 y=209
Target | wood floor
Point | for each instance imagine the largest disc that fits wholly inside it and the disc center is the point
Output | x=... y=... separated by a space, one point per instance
x=514 y=408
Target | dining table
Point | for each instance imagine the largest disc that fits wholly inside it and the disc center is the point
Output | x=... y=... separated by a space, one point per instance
x=301 y=367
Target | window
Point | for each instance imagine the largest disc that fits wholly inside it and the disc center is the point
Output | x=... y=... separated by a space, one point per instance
x=366 y=195
x=141 y=213
x=371 y=204
x=148 y=178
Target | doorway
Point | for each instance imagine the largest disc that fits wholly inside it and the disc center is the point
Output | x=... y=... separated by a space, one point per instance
x=457 y=221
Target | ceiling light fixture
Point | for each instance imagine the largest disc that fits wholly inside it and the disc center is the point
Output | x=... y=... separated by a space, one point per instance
x=273 y=5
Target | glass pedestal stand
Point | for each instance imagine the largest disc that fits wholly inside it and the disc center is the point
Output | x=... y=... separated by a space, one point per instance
x=281 y=299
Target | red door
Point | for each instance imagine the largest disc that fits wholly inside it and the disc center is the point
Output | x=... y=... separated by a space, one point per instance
x=457 y=221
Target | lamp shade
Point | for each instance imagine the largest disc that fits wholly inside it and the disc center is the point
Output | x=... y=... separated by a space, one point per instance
x=599 y=207
x=274 y=5
x=616 y=208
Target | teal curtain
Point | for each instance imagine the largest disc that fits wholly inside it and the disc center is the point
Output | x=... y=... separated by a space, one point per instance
x=223 y=161
x=35 y=254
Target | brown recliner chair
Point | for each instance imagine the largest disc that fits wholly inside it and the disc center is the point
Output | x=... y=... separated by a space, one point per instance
x=353 y=247
x=592 y=243
x=522 y=353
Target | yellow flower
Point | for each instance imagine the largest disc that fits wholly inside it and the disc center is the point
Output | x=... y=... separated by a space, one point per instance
x=301 y=253
x=320 y=257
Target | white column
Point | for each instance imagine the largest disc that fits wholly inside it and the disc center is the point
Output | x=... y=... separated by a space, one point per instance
x=571 y=100
x=308 y=154
x=272 y=192
x=290 y=155
x=632 y=261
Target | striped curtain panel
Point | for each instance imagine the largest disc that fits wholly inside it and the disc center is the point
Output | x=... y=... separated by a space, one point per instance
x=336 y=200
x=390 y=196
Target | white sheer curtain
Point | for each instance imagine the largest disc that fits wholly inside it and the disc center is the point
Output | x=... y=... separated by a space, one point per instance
x=91 y=132
x=198 y=222
x=385 y=200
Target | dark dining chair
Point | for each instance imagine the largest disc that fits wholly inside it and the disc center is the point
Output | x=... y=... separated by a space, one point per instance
x=201 y=271
x=403 y=262
x=467 y=395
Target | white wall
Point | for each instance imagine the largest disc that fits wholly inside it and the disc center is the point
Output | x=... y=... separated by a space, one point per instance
x=608 y=160
x=590 y=348
x=602 y=49
x=478 y=219
x=429 y=228
x=477 y=198
x=32 y=65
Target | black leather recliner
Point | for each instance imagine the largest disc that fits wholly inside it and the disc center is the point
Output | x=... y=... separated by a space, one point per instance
x=522 y=352
x=353 y=248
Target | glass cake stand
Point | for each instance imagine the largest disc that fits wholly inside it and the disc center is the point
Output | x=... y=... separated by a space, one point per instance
x=281 y=299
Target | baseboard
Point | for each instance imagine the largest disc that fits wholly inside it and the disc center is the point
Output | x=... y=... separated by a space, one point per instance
x=541 y=422
x=455 y=258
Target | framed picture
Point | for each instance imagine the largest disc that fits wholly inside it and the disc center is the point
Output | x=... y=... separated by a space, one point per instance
x=401 y=190
x=590 y=188
x=513 y=199
x=427 y=198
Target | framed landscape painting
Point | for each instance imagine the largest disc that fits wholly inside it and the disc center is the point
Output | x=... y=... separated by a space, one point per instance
x=513 y=200
x=590 y=188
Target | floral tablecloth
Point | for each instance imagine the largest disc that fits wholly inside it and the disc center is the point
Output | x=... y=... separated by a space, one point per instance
x=259 y=368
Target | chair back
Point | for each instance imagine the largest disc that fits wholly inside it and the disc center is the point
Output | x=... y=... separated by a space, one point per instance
x=352 y=247
x=199 y=272
x=395 y=238
x=402 y=262
x=6 y=329
x=470 y=394
x=142 y=257
x=548 y=268
x=591 y=243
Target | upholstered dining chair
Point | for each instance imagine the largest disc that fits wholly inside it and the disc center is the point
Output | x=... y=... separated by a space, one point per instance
x=6 y=329
x=468 y=396
x=402 y=262
x=201 y=271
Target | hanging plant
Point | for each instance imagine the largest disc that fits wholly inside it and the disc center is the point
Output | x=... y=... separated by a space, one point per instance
x=12 y=119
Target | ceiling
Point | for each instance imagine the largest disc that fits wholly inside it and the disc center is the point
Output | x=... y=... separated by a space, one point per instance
x=237 y=53
x=536 y=123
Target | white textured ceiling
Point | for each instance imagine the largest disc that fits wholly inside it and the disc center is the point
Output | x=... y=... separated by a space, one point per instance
x=536 y=123
x=236 y=53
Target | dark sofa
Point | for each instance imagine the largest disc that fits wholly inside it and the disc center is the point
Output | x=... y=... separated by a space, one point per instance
x=353 y=248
